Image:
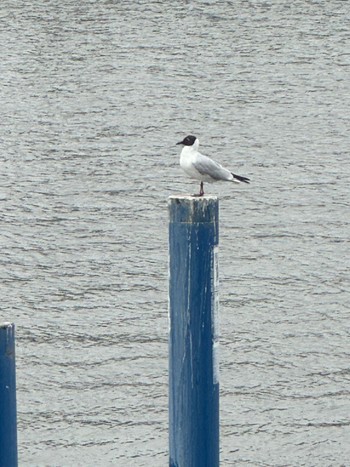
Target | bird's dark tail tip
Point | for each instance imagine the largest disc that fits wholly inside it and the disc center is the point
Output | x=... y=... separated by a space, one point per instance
x=241 y=179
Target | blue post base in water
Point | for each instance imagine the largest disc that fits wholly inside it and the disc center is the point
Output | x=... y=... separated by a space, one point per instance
x=8 y=417
x=193 y=341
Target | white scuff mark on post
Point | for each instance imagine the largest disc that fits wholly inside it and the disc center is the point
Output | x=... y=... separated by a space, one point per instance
x=216 y=367
x=188 y=310
x=169 y=277
x=215 y=318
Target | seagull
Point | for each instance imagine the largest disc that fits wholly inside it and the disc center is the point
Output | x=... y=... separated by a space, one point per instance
x=201 y=167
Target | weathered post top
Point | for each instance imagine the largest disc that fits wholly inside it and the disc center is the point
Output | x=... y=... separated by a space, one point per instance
x=193 y=209
x=7 y=340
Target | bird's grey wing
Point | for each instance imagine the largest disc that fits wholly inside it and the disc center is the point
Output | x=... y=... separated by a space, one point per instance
x=213 y=169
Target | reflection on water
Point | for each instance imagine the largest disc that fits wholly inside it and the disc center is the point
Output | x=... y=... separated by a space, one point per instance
x=94 y=97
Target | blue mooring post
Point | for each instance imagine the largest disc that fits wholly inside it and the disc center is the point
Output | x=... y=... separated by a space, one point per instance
x=193 y=341
x=8 y=416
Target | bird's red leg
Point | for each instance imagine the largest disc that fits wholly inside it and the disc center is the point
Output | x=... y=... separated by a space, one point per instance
x=201 y=191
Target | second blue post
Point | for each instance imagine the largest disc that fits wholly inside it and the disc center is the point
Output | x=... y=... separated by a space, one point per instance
x=193 y=341
x=8 y=415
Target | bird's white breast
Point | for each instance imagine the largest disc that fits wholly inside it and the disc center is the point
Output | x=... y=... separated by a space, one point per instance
x=187 y=158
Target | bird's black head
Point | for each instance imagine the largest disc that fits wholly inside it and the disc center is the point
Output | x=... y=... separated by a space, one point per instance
x=188 y=141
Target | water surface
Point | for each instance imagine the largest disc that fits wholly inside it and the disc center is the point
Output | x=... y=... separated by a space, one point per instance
x=94 y=97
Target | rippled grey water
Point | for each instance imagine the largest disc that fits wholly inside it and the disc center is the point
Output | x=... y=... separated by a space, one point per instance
x=94 y=95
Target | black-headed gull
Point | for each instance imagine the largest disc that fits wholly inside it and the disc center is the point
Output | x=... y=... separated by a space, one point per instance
x=202 y=168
